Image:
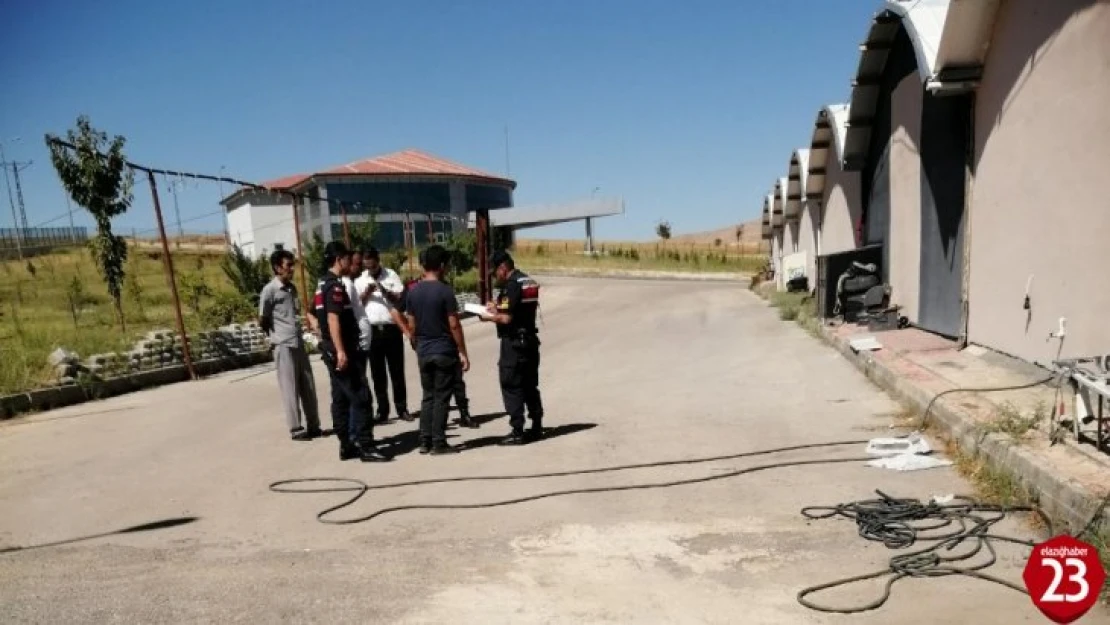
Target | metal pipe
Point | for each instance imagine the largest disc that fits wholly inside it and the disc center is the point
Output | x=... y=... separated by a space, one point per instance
x=481 y=226
x=168 y=264
x=300 y=251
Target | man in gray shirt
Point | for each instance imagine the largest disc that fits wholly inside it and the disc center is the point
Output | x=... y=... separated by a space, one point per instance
x=280 y=318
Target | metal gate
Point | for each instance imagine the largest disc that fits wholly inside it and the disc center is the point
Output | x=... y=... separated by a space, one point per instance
x=878 y=211
x=944 y=145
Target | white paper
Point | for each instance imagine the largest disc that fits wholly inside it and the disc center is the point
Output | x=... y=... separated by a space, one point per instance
x=909 y=462
x=476 y=309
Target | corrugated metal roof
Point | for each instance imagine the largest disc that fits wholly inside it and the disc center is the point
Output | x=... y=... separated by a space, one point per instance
x=797 y=176
x=769 y=222
x=779 y=203
x=924 y=22
x=827 y=146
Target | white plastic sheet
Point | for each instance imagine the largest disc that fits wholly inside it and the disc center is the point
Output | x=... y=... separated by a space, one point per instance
x=909 y=462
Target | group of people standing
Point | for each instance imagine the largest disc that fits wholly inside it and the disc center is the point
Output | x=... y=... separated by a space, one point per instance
x=363 y=313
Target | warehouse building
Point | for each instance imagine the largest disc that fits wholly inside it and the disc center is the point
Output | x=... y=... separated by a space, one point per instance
x=413 y=196
x=970 y=123
x=833 y=192
x=966 y=164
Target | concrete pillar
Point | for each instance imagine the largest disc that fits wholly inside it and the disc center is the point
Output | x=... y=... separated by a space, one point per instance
x=589 y=236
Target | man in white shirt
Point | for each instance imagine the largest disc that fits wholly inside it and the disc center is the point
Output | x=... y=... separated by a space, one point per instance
x=382 y=289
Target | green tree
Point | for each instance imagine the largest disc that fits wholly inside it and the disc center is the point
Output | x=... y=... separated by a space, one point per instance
x=195 y=288
x=75 y=297
x=133 y=287
x=96 y=177
x=363 y=233
x=246 y=276
x=663 y=229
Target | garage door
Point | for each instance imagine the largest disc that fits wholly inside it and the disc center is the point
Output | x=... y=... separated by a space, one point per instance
x=945 y=134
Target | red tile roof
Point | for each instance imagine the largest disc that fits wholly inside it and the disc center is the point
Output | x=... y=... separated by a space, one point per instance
x=410 y=162
x=403 y=163
x=286 y=182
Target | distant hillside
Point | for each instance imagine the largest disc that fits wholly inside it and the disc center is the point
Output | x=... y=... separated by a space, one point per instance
x=750 y=235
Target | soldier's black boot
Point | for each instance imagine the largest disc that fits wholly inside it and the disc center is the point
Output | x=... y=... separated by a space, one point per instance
x=465 y=420
x=347 y=450
x=516 y=437
x=369 y=452
x=535 y=432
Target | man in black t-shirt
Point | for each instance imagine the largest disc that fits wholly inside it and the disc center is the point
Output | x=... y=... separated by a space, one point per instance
x=433 y=313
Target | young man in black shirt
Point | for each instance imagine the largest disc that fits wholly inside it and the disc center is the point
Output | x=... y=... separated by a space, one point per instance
x=433 y=313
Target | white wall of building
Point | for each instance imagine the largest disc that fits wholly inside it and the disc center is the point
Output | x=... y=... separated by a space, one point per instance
x=260 y=222
x=239 y=228
x=273 y=226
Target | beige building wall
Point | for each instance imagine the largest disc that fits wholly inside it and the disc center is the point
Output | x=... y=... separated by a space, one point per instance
x=776 y=255
x=841 y=208
x=905 y=195
x=807 y=239
x=790 y=238
x=1039 y=210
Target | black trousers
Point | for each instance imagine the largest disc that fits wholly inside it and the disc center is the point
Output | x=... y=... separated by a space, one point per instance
x=520 y=381
x=387 y=363
x=437 y=379
x=350 y=402
x=459 y=390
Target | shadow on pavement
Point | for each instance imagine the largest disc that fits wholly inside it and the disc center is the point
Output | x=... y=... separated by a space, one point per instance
x=548 y=434
x=145 y=527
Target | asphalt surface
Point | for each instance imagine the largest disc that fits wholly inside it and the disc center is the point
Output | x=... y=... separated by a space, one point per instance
x=633 y=372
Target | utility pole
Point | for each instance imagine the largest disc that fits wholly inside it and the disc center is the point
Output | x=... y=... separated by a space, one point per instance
x=11 y=202
x=176 y=211
x=220 y=181
x=19 y=193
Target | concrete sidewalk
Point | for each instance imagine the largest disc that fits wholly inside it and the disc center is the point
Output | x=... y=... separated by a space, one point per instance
x=1069 y=478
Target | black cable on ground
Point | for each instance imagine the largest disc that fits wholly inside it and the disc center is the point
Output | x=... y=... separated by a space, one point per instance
x=901 y=523
x=995 y=389
x=360 y=488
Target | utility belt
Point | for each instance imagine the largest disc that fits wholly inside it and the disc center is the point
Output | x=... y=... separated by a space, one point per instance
x=522 y=338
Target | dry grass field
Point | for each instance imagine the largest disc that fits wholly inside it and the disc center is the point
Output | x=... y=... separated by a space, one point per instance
x=41 y=309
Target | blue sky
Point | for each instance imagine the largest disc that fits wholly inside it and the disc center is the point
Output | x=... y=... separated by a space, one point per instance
x=688 y=110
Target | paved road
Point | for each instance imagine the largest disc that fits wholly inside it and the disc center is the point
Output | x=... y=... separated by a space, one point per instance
x=633 y=371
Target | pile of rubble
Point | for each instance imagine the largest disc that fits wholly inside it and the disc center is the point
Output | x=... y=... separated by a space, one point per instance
x=160 y=349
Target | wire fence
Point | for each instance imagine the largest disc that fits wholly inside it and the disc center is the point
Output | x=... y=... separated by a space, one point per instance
x=17 y=241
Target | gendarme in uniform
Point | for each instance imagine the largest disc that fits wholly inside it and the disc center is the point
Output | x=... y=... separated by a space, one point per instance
x=519 y=363
x=350 y=393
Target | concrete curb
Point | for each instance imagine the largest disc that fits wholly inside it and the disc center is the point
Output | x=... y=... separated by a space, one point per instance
x=1066 y=501
x=1063 y=499
x=61 y=396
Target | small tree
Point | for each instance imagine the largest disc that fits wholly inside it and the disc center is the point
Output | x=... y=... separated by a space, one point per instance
x=246 y=275
x=663 y=229
x=134 y=288
x=195 y=288
x=75 y=297
x=96 y=177
x=739 y=234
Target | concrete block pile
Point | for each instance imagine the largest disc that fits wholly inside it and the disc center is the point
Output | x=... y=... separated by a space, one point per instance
x=160 y=349
x=467 y=298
